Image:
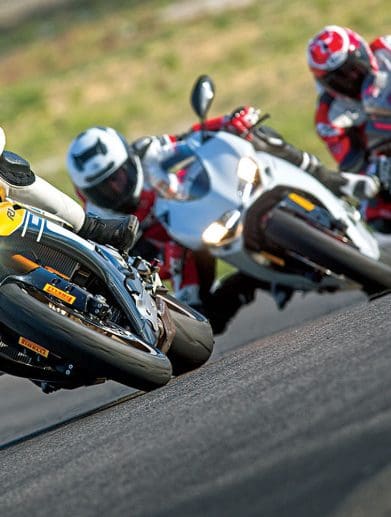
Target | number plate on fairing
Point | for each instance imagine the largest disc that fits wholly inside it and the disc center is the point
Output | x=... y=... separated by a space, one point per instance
x=10 y=219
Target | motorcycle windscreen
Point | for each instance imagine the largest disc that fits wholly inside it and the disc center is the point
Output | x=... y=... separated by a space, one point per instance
x=212 y=190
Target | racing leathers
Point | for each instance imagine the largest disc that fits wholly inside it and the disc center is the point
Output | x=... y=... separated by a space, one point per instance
x=177 y=264
x=19 y=183
x=341 y=121
x=192 y=273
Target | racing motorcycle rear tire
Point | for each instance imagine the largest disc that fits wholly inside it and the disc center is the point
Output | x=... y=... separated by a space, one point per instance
x=143 y=368
x=193 y=342
x=291 y=233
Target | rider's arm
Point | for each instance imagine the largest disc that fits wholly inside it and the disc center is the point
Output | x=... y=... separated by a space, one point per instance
x=239 y=121
x=339 y=124
x=353 y=185
x=381 y=47
x=20 y=184
x=155 y=153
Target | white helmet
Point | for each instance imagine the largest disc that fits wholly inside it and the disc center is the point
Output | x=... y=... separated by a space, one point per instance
x=2 y=140
x=103 y=169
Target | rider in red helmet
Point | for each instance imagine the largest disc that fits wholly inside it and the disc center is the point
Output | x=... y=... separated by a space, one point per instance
x=343 y=63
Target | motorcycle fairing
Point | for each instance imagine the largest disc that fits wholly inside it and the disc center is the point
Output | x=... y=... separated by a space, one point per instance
x=35 y=234
x=10 y=219
x=220 y=156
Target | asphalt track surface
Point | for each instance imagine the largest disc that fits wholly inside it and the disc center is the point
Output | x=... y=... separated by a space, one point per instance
x=298 y=423
x=25 y=410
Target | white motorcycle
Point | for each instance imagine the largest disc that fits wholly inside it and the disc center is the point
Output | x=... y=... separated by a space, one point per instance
x=266 y=217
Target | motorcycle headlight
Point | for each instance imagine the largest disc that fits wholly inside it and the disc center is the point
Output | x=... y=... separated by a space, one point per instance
x=249 y=176
x=247 y=169
x=220 y=231
x=214 y=233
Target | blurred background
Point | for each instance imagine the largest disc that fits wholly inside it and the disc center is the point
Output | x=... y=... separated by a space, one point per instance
x=130 y=64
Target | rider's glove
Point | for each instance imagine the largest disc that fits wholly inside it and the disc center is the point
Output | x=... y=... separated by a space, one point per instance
x=380 y=168
x=242 y=119
x=359 y=186
x=345 y=183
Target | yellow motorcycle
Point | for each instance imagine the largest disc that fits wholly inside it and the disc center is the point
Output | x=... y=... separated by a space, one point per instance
x=75 y=313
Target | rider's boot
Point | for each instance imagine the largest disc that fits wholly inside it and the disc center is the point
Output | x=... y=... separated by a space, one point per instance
x=120 y=232
x=232 y=293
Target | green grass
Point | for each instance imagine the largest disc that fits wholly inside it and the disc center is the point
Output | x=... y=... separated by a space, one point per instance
x=125 y=64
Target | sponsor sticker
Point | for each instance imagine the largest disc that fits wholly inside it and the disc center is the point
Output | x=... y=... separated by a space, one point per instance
x=38 y=349
x=301 y=201
x=59 y=293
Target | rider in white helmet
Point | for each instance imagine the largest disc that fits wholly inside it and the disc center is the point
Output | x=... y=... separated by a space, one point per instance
x=108 y=176
x=113 y=176
x=104 y=171
x=18 y=182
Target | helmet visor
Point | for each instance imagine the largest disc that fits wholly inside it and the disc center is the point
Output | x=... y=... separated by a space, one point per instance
x=348 y=78
x=119 y=189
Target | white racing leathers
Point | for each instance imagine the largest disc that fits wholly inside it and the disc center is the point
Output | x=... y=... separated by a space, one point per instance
x=42 y=195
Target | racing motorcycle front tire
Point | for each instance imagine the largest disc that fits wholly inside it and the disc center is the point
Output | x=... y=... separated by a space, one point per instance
x=193 y=342
x=141 y=367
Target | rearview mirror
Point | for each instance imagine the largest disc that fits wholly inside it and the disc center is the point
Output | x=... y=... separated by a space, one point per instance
x=202 y=95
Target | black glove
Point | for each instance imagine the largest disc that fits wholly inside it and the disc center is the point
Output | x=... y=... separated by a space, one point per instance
x=120 y=232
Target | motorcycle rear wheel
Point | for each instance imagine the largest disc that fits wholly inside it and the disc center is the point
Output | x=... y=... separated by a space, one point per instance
x=144 y=368
x=291 y=233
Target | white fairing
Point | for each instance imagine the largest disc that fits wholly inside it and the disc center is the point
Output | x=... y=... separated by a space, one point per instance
x=186 y=220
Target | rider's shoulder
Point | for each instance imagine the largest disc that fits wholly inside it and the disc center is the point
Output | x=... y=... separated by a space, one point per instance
x=325 y=98
x=141 y=145
x=381 y=43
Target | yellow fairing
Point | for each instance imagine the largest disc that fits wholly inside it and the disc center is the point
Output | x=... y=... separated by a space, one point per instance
x=10 y=219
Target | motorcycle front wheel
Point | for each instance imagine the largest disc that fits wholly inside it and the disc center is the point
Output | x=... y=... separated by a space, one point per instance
x=92 y=347
x=291 y=233
x=193 y=342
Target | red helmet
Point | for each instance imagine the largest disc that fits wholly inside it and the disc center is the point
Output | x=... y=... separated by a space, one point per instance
x=340 y=59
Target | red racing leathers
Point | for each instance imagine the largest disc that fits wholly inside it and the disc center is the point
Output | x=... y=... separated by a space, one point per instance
x=340 y=123
x=177 y=263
